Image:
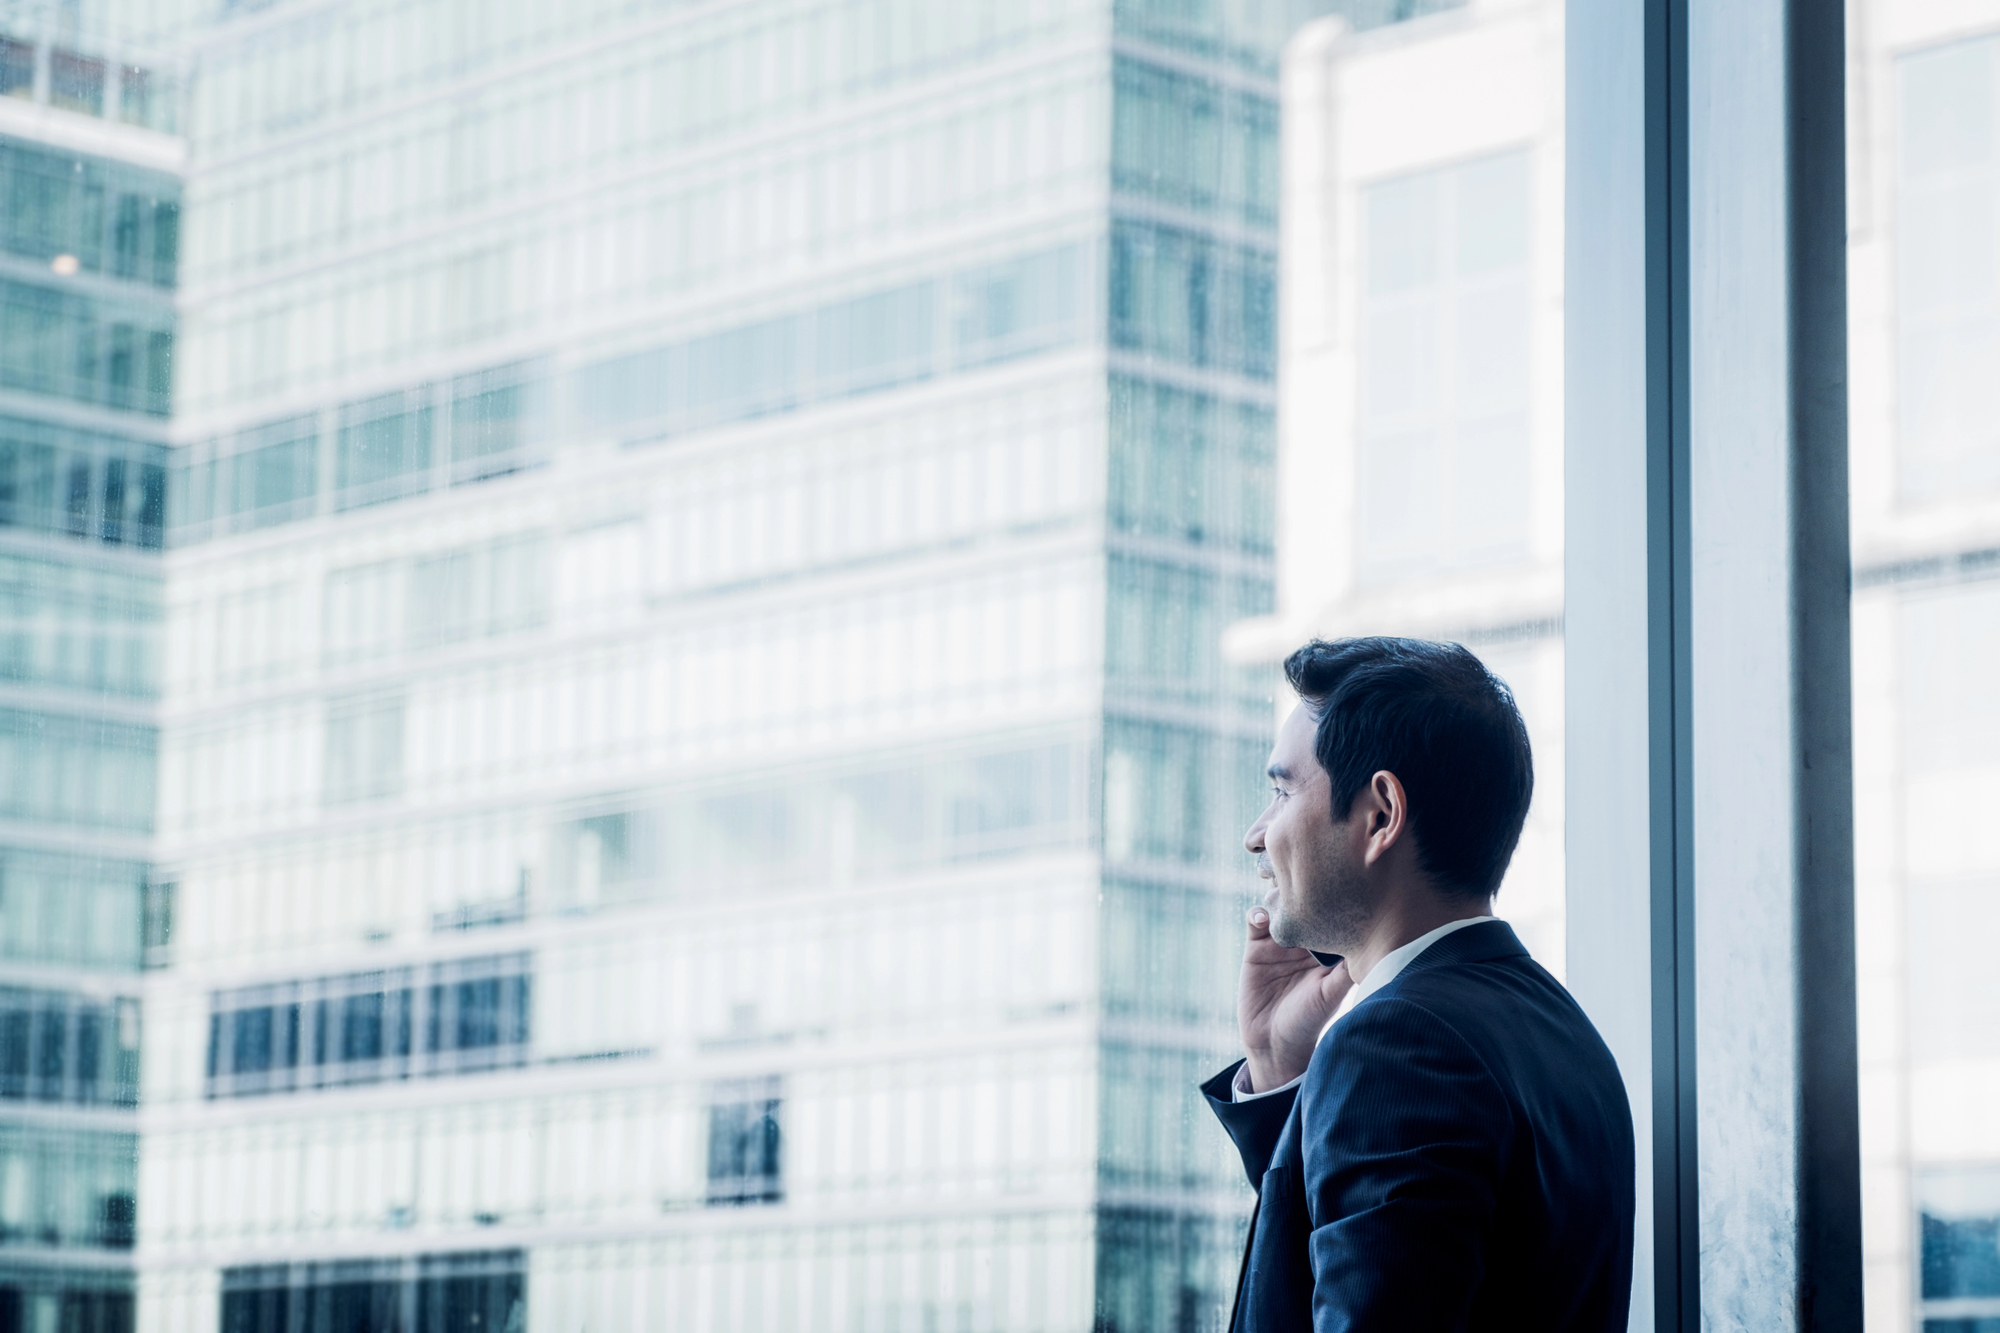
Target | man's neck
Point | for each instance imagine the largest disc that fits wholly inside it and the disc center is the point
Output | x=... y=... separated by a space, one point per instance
x=1410 y=916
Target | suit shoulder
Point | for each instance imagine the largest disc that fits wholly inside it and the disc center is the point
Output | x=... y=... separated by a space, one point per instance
x=1392 y=1057
x=1403 y=1027
x=1491 y=987
x=1509 y=1006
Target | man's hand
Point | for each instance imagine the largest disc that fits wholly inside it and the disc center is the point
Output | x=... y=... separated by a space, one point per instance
x=1283 y=1001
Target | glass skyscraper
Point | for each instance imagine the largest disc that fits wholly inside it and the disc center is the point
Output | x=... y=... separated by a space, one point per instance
x=696 y=785
x=89 y=222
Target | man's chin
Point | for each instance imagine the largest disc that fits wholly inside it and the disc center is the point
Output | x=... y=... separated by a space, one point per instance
x=1283 y=931
x=1290 y=933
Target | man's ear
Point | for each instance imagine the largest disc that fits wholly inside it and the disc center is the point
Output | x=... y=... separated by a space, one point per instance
x=1388 y=814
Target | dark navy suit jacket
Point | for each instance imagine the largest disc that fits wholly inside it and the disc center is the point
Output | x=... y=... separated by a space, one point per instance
x=1458 y=1156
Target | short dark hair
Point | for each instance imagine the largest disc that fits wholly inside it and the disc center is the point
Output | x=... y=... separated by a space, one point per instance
x=1432 y=714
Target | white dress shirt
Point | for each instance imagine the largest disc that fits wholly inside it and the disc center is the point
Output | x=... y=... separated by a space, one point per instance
x=1379 y=976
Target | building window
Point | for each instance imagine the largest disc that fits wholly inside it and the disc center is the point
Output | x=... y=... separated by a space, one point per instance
x=17 y=68
x=495 y=416
x=1948 y=272
x=364 y=748
x=66 y=1049
x=477 y=1292
x=50 y=1302
x=745 y=1143
x=1185 y=298
x=1951 y=745
x=1959 y=1225
x=458 y=1017
x=118 y=1221
x=1444 y=368
x=68 y=1187
x=46 y=483
x=76 y=82
x=384 y=449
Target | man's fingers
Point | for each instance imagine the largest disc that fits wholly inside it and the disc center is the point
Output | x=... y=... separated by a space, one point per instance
x=1260 y=923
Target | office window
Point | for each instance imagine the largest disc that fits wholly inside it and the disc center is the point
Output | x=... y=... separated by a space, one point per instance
x=746 y=1143
x=69 y=908
x=110 y=217
x=256 y=633
x=1444 y=368
x=471 y=1292
x=384 y=449
x=1948 y=270
x=1179 y=139
x=1951 y=749
x=63 y=1048
x=273 y=474
x=1175 y=794
x=74 y=1305
x=459 y=1017
x=78 y=628
x=70 y=1187
x=1163 y=620
x=877 y=820
x=76 y=83
x=434 y=600
x=845 y=348
x=17 y=68
x=1954 y=1005
x=85 y=346
x=363 y=610
x=475 y=592
x=495 y=415
x=1959 y=1244
x=364 y=748
x=1188 y=298
x=78 y=772
x=1952 y=638
x=1191 y=467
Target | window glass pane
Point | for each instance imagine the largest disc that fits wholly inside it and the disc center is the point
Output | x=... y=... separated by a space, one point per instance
x=1445 y=353
x=620 y=608
x=1948 y=270
x=1924 y=296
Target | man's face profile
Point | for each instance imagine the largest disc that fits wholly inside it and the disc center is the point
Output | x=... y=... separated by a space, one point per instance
x=1318 y=896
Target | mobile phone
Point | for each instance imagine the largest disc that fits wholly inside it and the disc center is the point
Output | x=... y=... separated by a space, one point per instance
x=1325 y=959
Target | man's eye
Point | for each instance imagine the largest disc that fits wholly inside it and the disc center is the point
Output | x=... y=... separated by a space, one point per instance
x=1277 y=793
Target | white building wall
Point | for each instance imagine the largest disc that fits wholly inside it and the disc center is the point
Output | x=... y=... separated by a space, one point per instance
x=1415 y=105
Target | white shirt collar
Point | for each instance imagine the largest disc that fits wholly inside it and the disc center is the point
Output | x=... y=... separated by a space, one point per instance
x=1394 y=961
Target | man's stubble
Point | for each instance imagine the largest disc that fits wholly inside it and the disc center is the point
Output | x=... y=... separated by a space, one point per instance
x=1333 y=912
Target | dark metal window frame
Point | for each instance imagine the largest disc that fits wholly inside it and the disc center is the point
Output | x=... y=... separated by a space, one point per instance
x=1709 y=770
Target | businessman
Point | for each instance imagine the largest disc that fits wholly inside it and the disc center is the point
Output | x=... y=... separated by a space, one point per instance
x=1455 y=1150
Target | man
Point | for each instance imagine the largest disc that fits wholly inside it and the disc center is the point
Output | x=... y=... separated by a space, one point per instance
x=1455 y=1152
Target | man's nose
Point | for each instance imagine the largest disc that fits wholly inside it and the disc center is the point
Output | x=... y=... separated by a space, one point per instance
x=1253 y=841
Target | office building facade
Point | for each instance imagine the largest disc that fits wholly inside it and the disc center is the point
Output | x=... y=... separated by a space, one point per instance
x=696 y=785
x=1420 y=402
x=89 y=223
